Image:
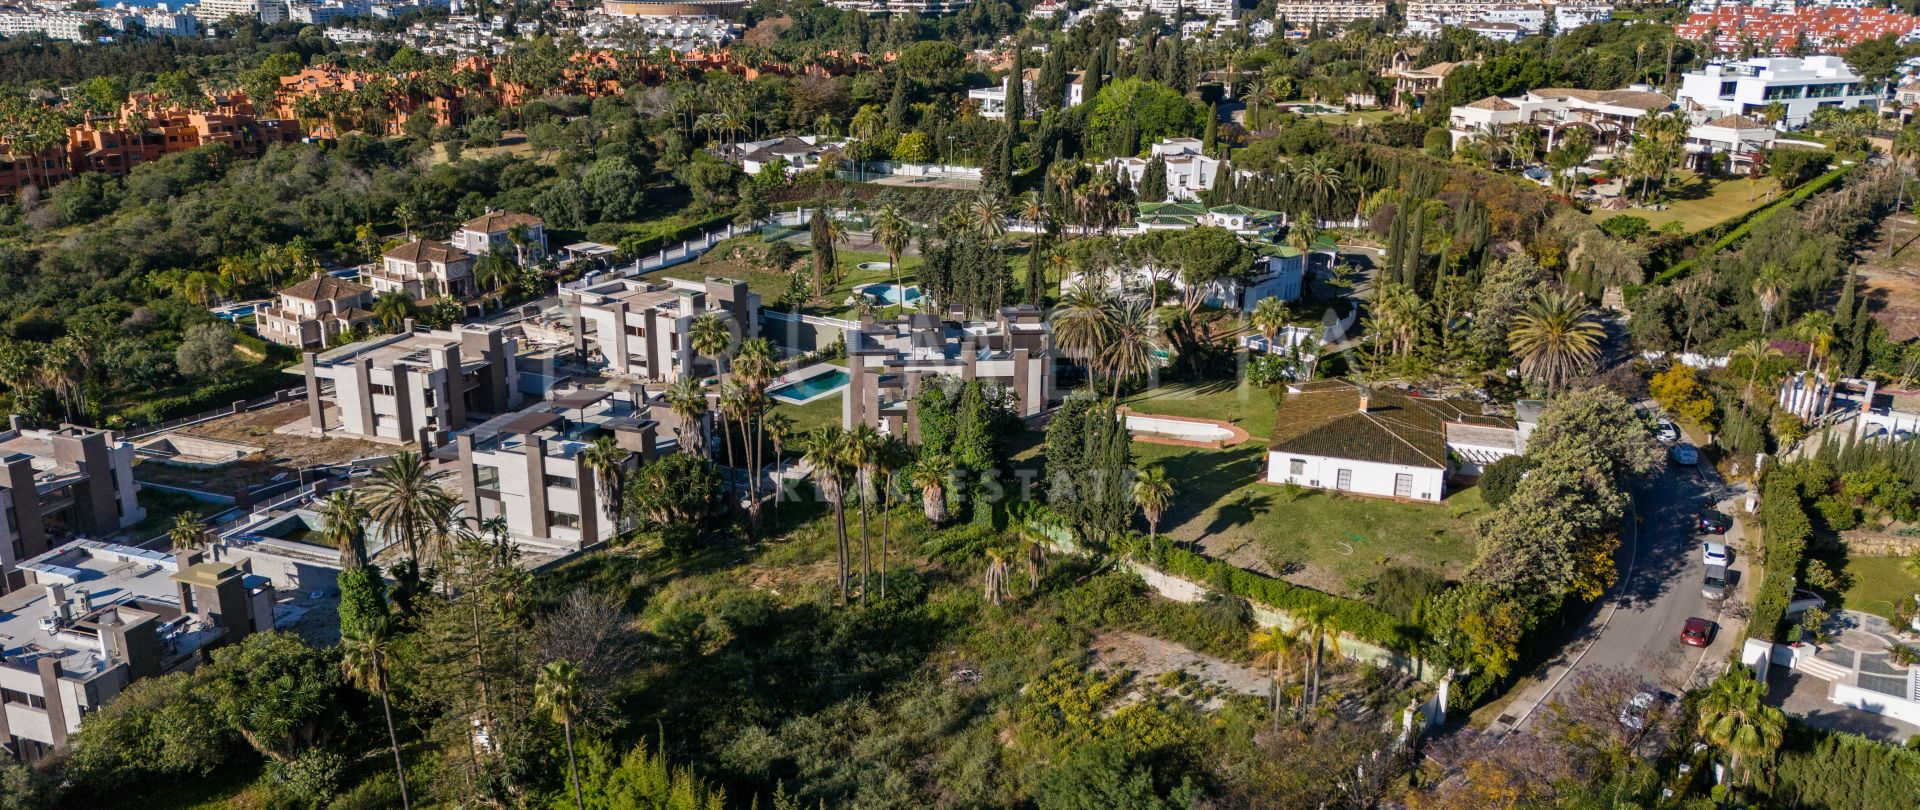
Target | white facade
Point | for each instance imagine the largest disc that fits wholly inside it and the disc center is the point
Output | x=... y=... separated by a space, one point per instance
x=1359 y=477
x=1189 y=172
x=1801 y=85
x=992 y=101
x=267 y=11
x=641 y=328
x=1327 y=15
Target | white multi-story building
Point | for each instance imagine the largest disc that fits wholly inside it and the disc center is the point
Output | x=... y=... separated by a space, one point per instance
x=1570 y=15
x=1189 y=171
x=1800 y=85
x=413 y=387
x=640 y=328
x=1305 y=14
x=1217 y=10
x=1609 y=115
x=59 y=21
x=267 y=11
x=424 y=268
x=59 y=484
x=992 y=101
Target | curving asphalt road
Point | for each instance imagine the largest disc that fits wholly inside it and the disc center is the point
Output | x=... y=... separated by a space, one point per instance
x=1638 y=624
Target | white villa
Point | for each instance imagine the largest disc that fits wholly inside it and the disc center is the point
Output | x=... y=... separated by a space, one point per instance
x=992 y=101
x=1800 y=85
x=1189 y=170
x=1343 y=436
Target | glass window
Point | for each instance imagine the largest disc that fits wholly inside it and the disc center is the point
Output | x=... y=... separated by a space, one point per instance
x=1297 y=467
x=485 y=477
x=1402 y=485
x=1343 y=479
x=563 y=519
x=561 y=482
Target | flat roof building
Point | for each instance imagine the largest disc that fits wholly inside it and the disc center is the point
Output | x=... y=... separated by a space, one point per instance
x=1800 y=86
x=93 y=617
x=413 y=387
x=887 y=361
x=640 y=328
x=58 y=484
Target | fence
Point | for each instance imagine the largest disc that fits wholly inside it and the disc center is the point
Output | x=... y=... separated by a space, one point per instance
x=279 y=397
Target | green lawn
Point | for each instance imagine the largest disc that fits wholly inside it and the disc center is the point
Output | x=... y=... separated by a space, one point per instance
x=822 y=412
x=1337 y=542
x=1356 y=116
x=1699 y=204
x=772 y=285
x=1877 y=582
x=1241 y=404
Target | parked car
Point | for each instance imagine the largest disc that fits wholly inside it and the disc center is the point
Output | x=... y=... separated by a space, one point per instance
x=1698 y=632
x=1685 y=454
x=1715 y=585
x=1667 y=432
x=1634 y=714
x=1712 y=522
x=1712 y=553
x=1805 y=600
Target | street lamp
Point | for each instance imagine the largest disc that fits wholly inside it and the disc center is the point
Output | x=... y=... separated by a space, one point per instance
x=949 y=160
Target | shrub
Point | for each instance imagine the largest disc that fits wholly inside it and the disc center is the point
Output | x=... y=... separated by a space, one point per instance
x=1499 y=479
x=1356 y=619
x=1626 y=226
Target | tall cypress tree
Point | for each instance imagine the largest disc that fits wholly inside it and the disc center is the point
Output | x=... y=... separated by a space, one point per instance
x=1037 y=255
x=1210 y=132
x=1051 y=87
x=897 y=105
x=1153 y=181
x=1017 y=90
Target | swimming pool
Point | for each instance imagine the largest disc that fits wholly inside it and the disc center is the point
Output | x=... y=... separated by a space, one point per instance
x=889 y=293
x=811 y=388
x=234 y=313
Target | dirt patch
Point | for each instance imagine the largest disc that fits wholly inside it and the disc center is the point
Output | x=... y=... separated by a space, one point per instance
x=1892 y=286
x=281 y=455
x=766 y=32
x=1202 y=678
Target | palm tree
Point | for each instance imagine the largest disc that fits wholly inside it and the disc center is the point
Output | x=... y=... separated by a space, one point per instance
x=392 y=309
x=1756 y=353
x=984 y=216
x=892 y=230
x=826 y=452
x=1318 y=628
x=344 y=526
x=687 y=399
x=861 y=452
x=780 y=430
x=410 y=502
x=1768 y=285
x=1153 y=493
x=1270 y=318
x=893 y=455
x=1733 y=717
x=1133 y=334
x=1081 y=321
x=405 y=214
x=559 y=692
x=931 y=475
x=1272 y=647
x=1320 y=179
x=710 y=336
x=1556 y=338
x=188 y=533
x=607 y=460
x=994 y=586
x=363 y=660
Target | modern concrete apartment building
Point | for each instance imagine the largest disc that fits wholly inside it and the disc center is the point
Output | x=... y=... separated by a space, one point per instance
x=413 y=387
x=640 y=327
x=526 y=467
x=1799 y=86
x=94 y=617
x=315 y=312
x=58 y=484
x=424 y=269
x=887 y=361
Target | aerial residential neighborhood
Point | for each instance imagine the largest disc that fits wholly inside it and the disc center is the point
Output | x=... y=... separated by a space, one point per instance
x=1055 y=404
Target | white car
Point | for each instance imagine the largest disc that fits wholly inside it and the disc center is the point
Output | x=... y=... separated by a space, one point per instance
x=1667 y=432
x=1634 y=715
x=1713 y=554
x=1685 y=454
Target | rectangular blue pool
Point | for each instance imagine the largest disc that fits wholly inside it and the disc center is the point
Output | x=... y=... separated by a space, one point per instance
x=812 y=388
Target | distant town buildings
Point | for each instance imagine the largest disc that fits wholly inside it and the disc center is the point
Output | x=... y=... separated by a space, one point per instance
x=1305 y=13
x=62 y=21
x=1505 y=21
x=642 y=329
x=57 y=484
x=922 y=7
x=1786 y=31
x=888 y=362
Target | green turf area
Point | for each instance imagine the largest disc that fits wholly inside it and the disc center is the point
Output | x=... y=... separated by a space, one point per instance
x=822 y=412
x=1355 y=117
x=1338 y=542
x=1699 y=204
x=1877 y=582
x=1241 y=404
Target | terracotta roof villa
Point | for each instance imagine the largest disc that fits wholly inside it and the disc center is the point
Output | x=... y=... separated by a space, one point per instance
x=1339 y=435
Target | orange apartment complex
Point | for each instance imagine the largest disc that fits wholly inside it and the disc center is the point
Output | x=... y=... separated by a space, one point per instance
x=146 y=128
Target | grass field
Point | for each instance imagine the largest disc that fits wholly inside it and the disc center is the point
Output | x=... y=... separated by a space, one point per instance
x=1337 y=542
x=1877 y=582
x=1239 y=403
x=1699 y=204
x=822 y=412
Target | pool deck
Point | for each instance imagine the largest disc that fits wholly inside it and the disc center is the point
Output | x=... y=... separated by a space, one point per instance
x=1239 y=434
x=803 y=375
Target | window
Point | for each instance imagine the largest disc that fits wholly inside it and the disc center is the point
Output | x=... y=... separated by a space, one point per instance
x=11 y=696
x=561 y=482
x=485 y=477
x=1402 y=485
x=1343 y=479
x=563 y=519
x=636 y=331
x=1297 y=466
x=380 y=389
x=1727 y=89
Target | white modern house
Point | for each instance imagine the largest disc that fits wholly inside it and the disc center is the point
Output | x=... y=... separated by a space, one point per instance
x=1278 y=275
x=642 y=328
x=1802 y=85
x=992 y=101
x=1610 y=115
x=1346 y=437
x=1189 y=170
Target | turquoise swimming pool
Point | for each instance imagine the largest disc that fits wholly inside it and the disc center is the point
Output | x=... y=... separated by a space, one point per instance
x=890 y=293
x=812 y=388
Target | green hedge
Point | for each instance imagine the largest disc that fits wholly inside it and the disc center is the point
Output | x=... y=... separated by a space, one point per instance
x=1785 y=529
x=1736 y=229
x=1357 y=619
x=1820 y=769
x=252 y=381
x=635 y=241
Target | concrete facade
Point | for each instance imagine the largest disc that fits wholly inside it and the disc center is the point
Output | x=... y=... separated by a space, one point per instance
x=413 y=387
x=889 y=361
x=641 y=328
x=59 y=484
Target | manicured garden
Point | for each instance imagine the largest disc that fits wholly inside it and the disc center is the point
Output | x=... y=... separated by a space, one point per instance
x=1877 y=583
x=1698 y=203
x=1240 y=403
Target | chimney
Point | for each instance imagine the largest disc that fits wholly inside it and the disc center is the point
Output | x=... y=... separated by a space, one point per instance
x=1366 y=397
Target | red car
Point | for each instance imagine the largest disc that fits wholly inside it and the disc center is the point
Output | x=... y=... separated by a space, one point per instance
x=1697 y=633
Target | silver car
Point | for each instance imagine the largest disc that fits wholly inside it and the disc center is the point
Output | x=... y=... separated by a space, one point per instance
x=1715 y=585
